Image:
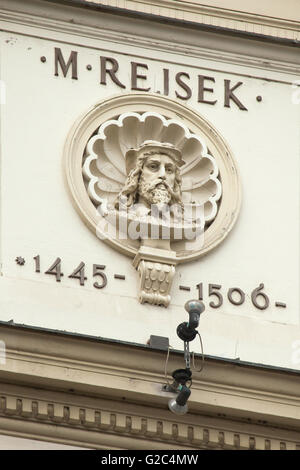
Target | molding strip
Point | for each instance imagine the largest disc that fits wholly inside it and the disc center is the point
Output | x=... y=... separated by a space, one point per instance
x=235 y=21
x=48 y=20
x=130 y=377
x=98 y=427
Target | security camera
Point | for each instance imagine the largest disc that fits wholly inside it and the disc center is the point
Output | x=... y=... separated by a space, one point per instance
x=179 y=405
x=194 y=308
x=187 y=331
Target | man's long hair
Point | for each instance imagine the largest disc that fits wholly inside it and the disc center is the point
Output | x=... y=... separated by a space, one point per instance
x=130 y=191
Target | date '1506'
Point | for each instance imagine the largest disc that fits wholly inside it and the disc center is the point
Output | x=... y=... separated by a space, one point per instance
x=236 y=296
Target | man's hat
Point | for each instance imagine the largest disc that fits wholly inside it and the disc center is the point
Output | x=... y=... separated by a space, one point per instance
x=150 y=146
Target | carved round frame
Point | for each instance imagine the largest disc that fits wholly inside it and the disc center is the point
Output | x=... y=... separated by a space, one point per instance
x=86 y=125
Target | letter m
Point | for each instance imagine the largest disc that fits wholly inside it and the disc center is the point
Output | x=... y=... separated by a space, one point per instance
x=59 y=60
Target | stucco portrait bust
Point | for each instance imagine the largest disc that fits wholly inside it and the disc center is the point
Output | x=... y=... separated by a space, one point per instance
x=151 y=198
x=131 y=157
x=153 y=175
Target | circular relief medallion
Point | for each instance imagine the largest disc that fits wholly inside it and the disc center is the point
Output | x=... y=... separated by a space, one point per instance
x=145 y=170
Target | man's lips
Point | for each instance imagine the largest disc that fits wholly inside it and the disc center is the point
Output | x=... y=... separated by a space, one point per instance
x=161 y=185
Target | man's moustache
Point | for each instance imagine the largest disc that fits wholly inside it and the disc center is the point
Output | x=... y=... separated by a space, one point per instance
x=158 y=183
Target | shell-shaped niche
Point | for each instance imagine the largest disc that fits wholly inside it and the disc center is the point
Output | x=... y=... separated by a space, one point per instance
x=104 y=163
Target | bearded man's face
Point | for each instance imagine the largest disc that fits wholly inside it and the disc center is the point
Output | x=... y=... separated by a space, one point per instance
x=157 y=180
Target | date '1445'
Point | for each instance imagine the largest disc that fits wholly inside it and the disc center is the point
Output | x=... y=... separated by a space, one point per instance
x=78 y=273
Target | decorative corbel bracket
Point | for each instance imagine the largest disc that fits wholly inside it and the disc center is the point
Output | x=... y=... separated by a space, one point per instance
x=156 y=269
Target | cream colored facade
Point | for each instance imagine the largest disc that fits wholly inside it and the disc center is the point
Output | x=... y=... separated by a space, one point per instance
x=75 y=365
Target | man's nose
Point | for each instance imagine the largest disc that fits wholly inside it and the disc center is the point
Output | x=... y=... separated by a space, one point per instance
x=162 y=172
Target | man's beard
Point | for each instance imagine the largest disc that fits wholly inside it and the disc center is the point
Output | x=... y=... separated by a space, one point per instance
x=157 y=192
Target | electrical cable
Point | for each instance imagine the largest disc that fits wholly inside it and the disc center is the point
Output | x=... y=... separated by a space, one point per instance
x=166 y=365
x=202 y=353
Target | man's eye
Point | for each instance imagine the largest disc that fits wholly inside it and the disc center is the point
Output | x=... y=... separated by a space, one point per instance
x=170 y=170
x=153 y=167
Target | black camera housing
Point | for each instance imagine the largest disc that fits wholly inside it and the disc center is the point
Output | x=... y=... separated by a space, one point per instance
x=187 y=331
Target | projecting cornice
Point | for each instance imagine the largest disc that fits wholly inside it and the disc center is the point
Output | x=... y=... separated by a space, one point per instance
x=65 y=22
x=113 y=389
x=239 y=18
